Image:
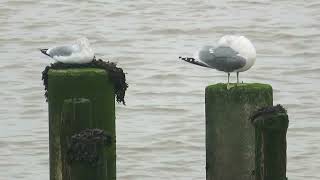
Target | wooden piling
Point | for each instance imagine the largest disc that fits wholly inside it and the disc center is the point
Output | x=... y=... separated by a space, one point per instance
x=79 y=99
x=271 y=124
x=230 y=138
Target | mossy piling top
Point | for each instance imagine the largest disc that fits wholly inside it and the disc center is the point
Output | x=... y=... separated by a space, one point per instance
x=109 y=69
x=76 y=71
x=241 y=86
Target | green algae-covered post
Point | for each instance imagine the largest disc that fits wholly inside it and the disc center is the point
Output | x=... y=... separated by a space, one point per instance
x=86 y=96
x=86 y=155
x=230 y=140
x=271 y=124
x=83 y=148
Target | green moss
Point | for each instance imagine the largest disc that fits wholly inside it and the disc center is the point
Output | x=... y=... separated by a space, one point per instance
x=113 y=73
x=76 y=72
x=271 y=126
x=85 y=83
x=243 y=86
x=241 y=93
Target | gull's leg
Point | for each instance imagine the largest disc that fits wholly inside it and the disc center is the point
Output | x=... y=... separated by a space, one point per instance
x=228 y=80
x=237 y=78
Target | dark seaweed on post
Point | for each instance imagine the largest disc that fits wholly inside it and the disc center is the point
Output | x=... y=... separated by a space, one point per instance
x=116 y=75
x=268 y=110
x=84 y=145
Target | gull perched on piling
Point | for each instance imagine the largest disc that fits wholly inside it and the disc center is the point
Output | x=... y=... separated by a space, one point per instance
x=232 y=54
x=78 y=53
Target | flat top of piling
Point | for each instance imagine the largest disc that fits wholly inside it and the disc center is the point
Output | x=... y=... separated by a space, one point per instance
x=97 y=68
x=77 y=71
x=241 y=86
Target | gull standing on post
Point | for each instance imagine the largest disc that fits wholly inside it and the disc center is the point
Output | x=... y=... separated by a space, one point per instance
x=232 y=54
x=78 y=53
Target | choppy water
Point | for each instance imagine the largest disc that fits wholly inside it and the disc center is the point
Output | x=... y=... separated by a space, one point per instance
x=161 y=131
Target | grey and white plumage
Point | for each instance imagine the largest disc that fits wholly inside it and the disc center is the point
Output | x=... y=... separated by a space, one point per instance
x=232 y=54
x=77 y=53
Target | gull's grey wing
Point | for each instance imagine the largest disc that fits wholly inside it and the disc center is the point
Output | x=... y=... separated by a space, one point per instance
x=205 y=54
x=222 y=58
x=61 y=51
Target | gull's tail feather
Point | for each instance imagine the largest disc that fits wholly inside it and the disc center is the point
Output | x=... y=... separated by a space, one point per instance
x=193 y=61
x=44 y=51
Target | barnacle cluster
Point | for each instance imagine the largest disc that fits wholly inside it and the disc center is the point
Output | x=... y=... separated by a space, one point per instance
x=85 y=146
x=268 y=110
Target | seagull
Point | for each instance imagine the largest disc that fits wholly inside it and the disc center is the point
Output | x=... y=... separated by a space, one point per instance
x=78 y=53
x=232 y=54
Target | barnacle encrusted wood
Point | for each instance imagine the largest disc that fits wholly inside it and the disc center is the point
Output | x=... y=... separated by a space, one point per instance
x=268 y=110
x=116 y=75
x=84 y=145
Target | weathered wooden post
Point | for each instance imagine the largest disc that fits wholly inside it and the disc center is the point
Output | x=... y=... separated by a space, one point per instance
x=83 y=150
x=86 y=156
x=230 y=138
x=79 y=99
x=271 y=124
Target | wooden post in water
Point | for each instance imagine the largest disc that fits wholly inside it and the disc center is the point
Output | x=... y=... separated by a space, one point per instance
x=82 y=149
x=271 y=124
x=230 y=151
x=80 y=99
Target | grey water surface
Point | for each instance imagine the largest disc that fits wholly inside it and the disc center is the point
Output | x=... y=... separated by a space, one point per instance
x=161 y=131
